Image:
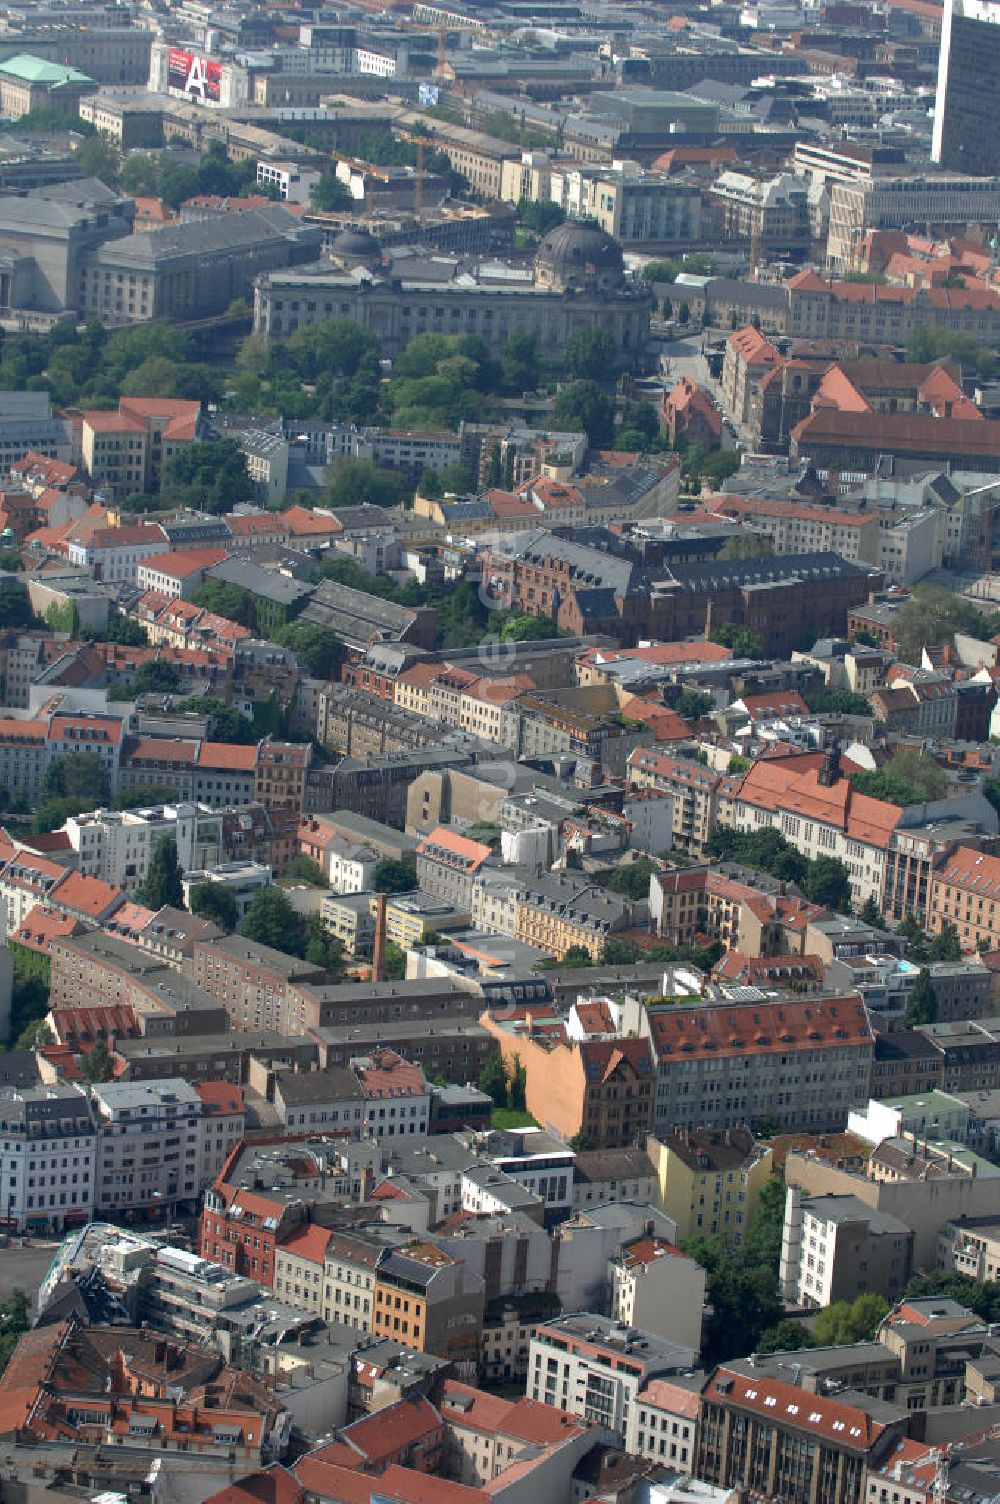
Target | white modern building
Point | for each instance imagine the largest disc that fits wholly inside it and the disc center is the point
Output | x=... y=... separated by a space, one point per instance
x=242 y=879
x=351 y=865
x=116 y=845
x=48 y=1163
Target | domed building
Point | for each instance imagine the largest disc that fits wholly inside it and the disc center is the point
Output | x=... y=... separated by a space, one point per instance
x=356 y=247
x=579 y=256
x=577 y=281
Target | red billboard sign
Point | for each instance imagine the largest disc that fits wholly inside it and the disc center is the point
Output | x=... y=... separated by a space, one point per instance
x=194 y=76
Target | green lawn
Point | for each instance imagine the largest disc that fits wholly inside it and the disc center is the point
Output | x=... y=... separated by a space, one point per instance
x=513 y=1117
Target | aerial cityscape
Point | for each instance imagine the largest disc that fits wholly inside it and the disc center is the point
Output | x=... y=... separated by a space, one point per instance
x=499 y=752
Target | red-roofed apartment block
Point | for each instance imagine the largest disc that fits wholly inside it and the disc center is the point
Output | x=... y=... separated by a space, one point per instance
x=124 y=452
x=180 y=573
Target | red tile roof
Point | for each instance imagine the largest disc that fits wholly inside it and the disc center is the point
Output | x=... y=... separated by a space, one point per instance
x=219 y=1098
x=42 y=926
x=389 y=1432
x=784 y=1404
x=761 y=1028
x=471 y=854
x=184 y=562
x=87 y=895
x=308 y=1241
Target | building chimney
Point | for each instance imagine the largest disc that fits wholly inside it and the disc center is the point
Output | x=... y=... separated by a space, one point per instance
x=830 y=770
x=378 y=948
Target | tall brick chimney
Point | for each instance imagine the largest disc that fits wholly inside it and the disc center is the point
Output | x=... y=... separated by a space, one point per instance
x=378 y=949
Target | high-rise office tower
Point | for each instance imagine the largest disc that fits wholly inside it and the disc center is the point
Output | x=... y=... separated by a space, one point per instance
x=967 y=113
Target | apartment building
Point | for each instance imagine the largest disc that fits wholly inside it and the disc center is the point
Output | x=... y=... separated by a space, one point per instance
x=965 y=891
x=708 y=1181
x=299 y=1264
x=113 y=554
x=259 y=988
x=798 y=528
x=793 y=1062
x=944 y=200
x=871 y=313
x=124 y=452
x=349 y=1265
x=748 y=358
x=601 y=1088
x=557 y=911
x=656 y=1288
x=809 y=799
x=773 y=1439
x=48 y=1170
x=692 y=787
x=149 y=1147
x=595 y=1368
x=448 y=864
x=430 y=1301
x=111 y=971
x=836 y=1247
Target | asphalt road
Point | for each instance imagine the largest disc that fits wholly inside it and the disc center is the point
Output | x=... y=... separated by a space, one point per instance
x=25 y=1268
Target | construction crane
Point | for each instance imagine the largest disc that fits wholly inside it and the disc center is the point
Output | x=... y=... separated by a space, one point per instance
x=421 y=143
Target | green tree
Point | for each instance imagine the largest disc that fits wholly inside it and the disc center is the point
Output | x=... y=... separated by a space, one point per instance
x=394 y=964
x=620 y=952
x=520 y=363
x=81 y=776
x=747 y=546
x=528 y=629
x=922 y=1003
x=211 y=475
x=316 y=646
x=577 y=955
x=908 y=777
x=742 y=641
x=632 y=878
x=590 y=354
x=349 y=482
x=213 y=901
x=850 y=1321
x=303 y=869
x=692 y=704
x=946 y=946
x=540 y=218
x=518 y=1085
x=98 y=157
x=329 y=194
x=122 y=630
x=323 y=949
x=144 y=795
x=230 y=601
x=63 y=617
x=155 y=678
x=931 y=616
x=828 y=882
x=585 y=406
x=225 y=722
x=788 y=1336
x=836 y=702
x=493 y=1078
x=96 y=1065
x=872 y=914
x=271 y=920
x=14 y=1322
x=743 y=1282
x=162 y=883
x=392 y=876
